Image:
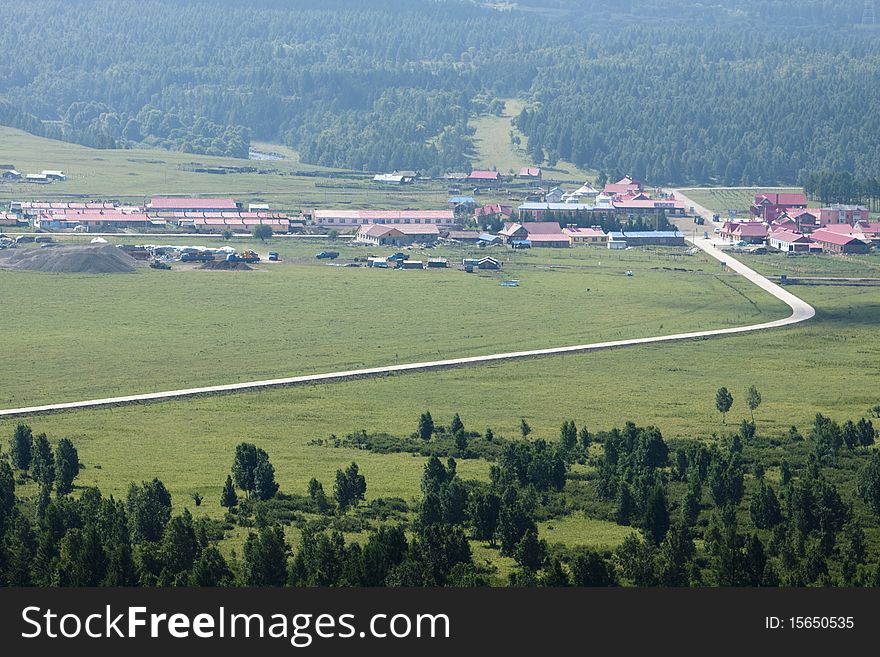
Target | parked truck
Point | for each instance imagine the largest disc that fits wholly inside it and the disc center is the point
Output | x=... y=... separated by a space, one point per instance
x=244 y=256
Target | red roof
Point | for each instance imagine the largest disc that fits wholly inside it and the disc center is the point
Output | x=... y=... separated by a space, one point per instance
x=788 y=236
x=163 y=203
x=542 y=228
x=750 y=229
x=494 y=208
x=825 y=235
x=584 y=232
x=385 y=215
x=484 y=175
x=406 y=229
x=786 y=199
x=529 y=172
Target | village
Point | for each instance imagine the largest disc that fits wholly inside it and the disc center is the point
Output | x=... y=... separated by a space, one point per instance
x=622 y=214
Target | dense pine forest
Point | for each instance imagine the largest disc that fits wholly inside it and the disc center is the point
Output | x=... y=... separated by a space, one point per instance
x=733 y=92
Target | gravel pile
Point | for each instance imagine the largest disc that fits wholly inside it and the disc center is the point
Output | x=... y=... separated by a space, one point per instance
x=223 y=264
x=92 y=259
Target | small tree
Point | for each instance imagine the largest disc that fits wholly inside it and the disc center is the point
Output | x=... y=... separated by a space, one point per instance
x=243 y=466
x=426 y=426
x=66 y=466
x=456 y=426
x=265 y=485
x=656 y=523
x=723 y=402
x=229 y=498
x=317 y=495
x=42 y=461
x=350 y=487
x=262 y=232
x=461 y=442
x=20 y=447
x=227 y=235
x=524 y=428
x=753 y=399
x=568 y=436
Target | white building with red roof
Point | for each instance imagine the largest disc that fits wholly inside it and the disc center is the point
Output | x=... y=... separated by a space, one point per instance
x=397 y=234
x=361 y=217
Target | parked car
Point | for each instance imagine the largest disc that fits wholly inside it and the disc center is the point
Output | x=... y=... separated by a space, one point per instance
x=273 y=256
x=327 y=255
x=399 y=256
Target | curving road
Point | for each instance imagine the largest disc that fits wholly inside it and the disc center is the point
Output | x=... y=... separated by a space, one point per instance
x=800 y=311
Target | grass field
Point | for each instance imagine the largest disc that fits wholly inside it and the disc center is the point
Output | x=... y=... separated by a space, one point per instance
x=494 y=148
x=721 y=200
x=826 y=365
x=156 y=330
x=133 y=175
x=845 y=266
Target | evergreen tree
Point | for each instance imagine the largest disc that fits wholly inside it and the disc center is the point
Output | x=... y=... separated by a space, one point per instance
x=42 y=461
x=485 y=511
x=243 y=466
x=265 y=486
x=524 y=428
x=66 y=466
x=426 y=426
x=656 y=521
x=20 y=447
x=149 y=510
x=264 y=559
x=351 y=486
x=210 y=569
x=869 y=484
x=456 y=426
x=530 y=552
x=588 y=568
x=623 y=515
x=228 y=498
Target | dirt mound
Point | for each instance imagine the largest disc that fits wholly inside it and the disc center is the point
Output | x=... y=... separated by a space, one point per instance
x=223 y=264
x=92 y=259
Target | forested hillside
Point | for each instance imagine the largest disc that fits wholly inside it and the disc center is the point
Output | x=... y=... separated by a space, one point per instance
x=747 y=91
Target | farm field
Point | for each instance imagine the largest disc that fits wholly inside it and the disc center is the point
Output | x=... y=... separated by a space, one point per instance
x=494 y=148
x=159 y=330
x=721 y=200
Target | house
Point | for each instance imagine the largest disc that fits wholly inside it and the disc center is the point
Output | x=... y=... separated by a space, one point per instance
x=752 y=232
x=616 y=244
x=647 y=238
x=541 y=233
x=499 y=209
x=806 y=220
x=488 y=263
x=863 y=230
x=390 y=179
x=594 y=236
x=484 y=177
x=8 y=219
x=38 y=178
x=54 y=175
x=843 y=214
x=633 y=203
x=467 y=236
x=437 y=263
x=10 y=174
x=834 y=242
x=586 y=193
x=769 y=205
x=789 y=241
x=530 y=173
x=488 y=239
x=410 y=264
x=397 y=234
x=162 y=205
x=625 y=185
x=462 y=201
x=362 y=217
x=554 y=195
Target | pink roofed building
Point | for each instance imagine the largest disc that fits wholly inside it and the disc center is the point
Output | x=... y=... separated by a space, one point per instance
x=484 y=177
x=160 y=204
x=625 y=185
x=838 y=242
x=397 y=234
x=789 y=241
x=530 y=173
x=361 y=217
x=843 y=214
x=769 y=205
x=593 y=236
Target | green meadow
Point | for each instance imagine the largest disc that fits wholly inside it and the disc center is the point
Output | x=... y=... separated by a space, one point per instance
x=78 y=336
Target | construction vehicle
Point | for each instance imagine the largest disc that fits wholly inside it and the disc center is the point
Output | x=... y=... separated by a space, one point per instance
x=244 y=256
x=158 y=264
